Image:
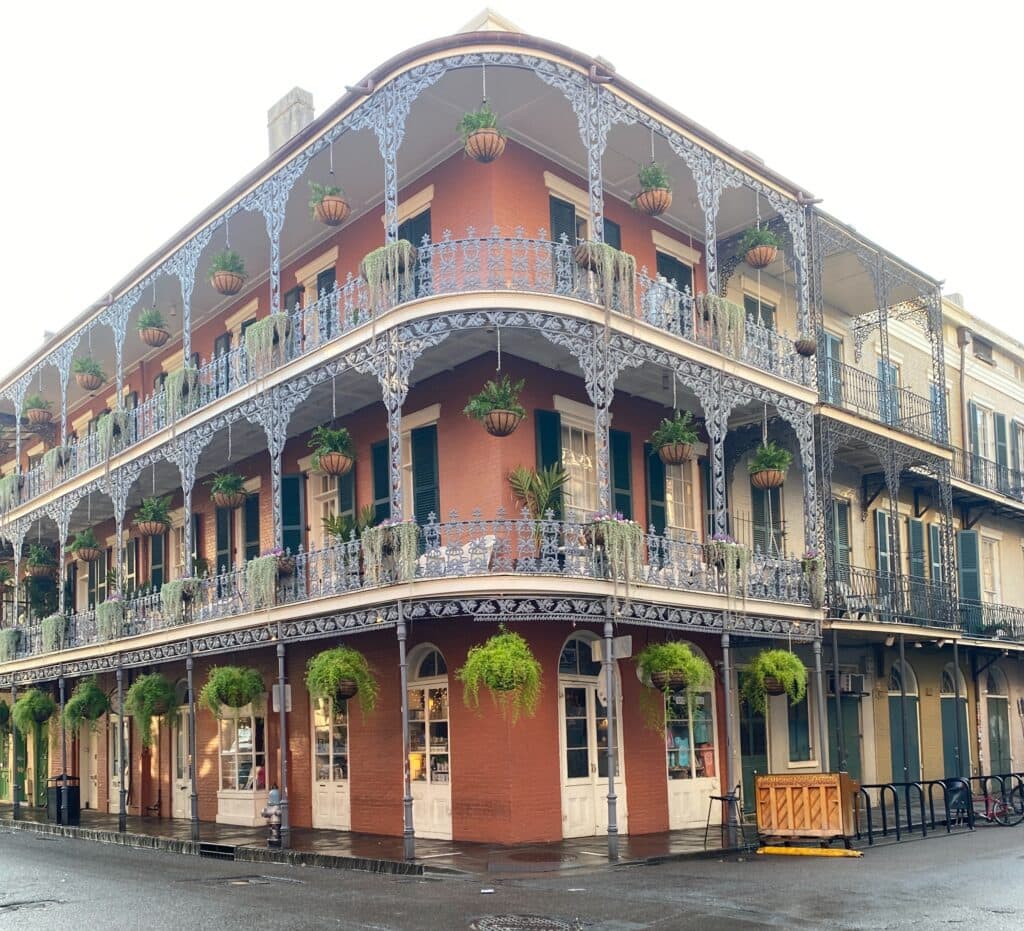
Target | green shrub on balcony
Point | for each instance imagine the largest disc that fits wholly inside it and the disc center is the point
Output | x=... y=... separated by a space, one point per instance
x=261 y=581
x=53 y=461
x=110 y=617
x=88 y=702
x=174 y=594
x=614 y=273
x=111 y=426
x=728 y=322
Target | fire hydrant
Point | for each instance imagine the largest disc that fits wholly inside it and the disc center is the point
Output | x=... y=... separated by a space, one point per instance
x=273 y=815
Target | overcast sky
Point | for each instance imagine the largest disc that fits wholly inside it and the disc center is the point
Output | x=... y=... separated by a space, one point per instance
x=121 y=121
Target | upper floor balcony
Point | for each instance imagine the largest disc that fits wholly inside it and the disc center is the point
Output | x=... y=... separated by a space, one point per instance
x=1001 y=478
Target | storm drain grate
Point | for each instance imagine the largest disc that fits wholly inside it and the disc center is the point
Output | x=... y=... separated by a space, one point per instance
x=216 y=851
x=524 y=923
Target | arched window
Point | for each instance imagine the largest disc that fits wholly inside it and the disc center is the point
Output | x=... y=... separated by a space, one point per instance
x=995 y=683
x=898 y=675
x=577 y=657
x=429 y=752
x=431 y=665
x=949 y=686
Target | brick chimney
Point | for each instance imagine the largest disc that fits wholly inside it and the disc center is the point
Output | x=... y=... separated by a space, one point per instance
x=290 y=115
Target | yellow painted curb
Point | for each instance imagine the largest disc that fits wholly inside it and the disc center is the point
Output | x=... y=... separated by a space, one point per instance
x=810 y=852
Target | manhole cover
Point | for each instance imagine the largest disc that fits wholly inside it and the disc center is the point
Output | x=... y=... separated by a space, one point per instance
x=523 y=923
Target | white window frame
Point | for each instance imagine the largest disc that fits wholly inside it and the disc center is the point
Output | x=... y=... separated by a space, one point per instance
x=577 y=416
x=254 y=713
x=991 y=543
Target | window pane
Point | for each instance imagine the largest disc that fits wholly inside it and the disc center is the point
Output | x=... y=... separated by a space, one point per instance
x=799 y=732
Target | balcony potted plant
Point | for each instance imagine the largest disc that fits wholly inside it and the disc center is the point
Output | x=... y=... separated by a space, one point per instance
x=263 y=336
x=153 y=516
x=342 y=673
x=669 y=667
x=85 y=547
x=227 y=272
x=40 y=562
x=110 y=617
x=261 y=576
x=506 y=666
x=181 y=392
x=343 y=527
x=388 y=272
x=539 y=493
x=37 y=409
x=483 y=140
x=54 y=632
x=10 y=637
x=150 y=696
x=89 y=373
x=728 y=323
x=396 y=541
x=152 y=328
x=227 y=490
x=53 y=461
x=231 y=686
x=497 y=406
x=622 y=540
x=774 y=672
x=327 y=203
x=34 y=707
x=759 y=246
x=731 y=559
x=674 y=438
x=334 y=452
x=88 y=702
x=812 y=565
x=768 y=465
x=655 y=195
x=614 y=273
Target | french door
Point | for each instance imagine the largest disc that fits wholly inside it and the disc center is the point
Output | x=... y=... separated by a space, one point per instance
x=181 y=767
x=331 y=798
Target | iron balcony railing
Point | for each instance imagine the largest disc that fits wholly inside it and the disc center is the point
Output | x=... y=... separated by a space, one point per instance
x=983 y=619
x=889 y=598
x=451 y=266
x=451 y=550
x=848 y=387
x=969 y=467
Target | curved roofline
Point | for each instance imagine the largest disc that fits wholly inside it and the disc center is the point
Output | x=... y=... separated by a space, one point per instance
x=390 y=69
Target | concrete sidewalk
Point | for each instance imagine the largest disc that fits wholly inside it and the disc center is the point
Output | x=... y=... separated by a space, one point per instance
x=371 y=852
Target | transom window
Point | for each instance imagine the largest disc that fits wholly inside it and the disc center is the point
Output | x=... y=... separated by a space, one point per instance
x=896 y=677
x=432 y=665
x=577 y=658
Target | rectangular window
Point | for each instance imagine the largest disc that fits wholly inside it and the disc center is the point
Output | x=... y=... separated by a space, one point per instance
x=381 y=481
x=832 y=374
x=674 y=272
x=130 y=572
x=157 y=560
x=414 y=229
x=690 y=736
x=222 y=517
x=580 y=462
x=841 y=538
x=679 y=499
x=251 y=525
x=799 y=730
x=990 y=570
x=759 y=311
x=243 y=760
x=564 y=222
x=766 y=519
x=292 y=299
x=293 y=514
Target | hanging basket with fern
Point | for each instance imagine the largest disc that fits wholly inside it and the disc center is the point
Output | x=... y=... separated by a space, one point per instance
x=768 y=466
x=231 y=687
x=327 y=203
x=483 y=141
x=506 y=666
x=88 y=702
x=150 y=696
x=227 y=272
x=34 y=707
x=342 y=673
x=759 y=247
x=497 y=406
x=655 y=195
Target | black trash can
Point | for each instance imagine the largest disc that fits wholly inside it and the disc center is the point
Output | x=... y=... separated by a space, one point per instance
x=56 y=788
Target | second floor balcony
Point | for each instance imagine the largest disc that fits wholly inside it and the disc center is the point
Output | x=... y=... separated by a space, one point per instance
x=859 y=594
x=998 y=477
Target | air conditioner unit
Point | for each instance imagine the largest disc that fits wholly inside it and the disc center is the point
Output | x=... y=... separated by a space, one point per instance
x=850 y=683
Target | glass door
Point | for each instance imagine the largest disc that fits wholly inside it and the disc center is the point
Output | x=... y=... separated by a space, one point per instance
x=181 y=804
x=690 y=748
x=118 y=776
x=331 y=798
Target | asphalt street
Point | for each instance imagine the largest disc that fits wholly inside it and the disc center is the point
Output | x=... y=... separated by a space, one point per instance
x=971 y=881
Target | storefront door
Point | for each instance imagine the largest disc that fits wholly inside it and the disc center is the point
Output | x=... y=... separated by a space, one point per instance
x=331 y=799
x=5 y=766
x=692 y=768
x=753 y=746
x=430 y=758
x=117 y=775
x=181 y=768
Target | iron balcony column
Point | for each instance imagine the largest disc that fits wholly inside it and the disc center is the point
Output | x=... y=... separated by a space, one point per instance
x=122 y=812
x=283 y=749
x=841 y=762
x=408 y=830
x=192 y=769
x=822 y=707
x=730 y=741
x=609 y=672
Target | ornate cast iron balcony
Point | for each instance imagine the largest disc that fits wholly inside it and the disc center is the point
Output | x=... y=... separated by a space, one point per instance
x=889 y=598
x=968 y=467
x=517 y=547
x=983 y=619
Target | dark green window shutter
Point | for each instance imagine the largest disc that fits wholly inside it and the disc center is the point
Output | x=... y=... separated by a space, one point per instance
x=223 y=534
x=972 y=428
x=621 y=477
x=325 y=281
x=935 y=553
x=70 y=585
x=563 y=220
x=197 y=543
x=379 y=453
x=347 y=494
x=130 y=571
x=549 y=438
x=882 y=546
x=157 y=560
x=1016 y=451
x=251 y=521
x=841 y=538
x=612 y=234
x=414 y=229
x=765 y=505
x=969 y=565
x=832 y=380
x=657 y=511
x=292 y=516
x=915 y=534
x=90 y=595
x=1002 y=451
x=672 y=270
x=426 y=493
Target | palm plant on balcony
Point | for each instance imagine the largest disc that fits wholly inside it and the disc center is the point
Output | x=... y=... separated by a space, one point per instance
x=231 y=686
x=396 y=541
x=497 y=406
x=327 y=203
x=342 y=673
x=110 y=617
x=10 y=491
x=111 y=428
x=389 y=273
x=774 y=672
x=669 y=667
x=40 y=562
x=622 y=543
x=34 y=707
x=150 y=696
x=728 y=323
x=153 y=516
x=175 y=594
x=768 y=465
x=227 y=272
x=655 y=195
x=85 y=546
x=10 y=637
x=334 y=451
x=88 y=702
x=54 y=632
x=812 y=565
x=37 y=409
x=539 y=491
x=483 y=140
x=152 y=328
x=261 y=579
x=54 y=461
x=89 y=373
x=731 y=559
x=261 y=338
x=227 y=490
x=614 y=273
x=343 y=527
x=674 y=438
x=759 y=246
x=181 y=392
x=506 y=667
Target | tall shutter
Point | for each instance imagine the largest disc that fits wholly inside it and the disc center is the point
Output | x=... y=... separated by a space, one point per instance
x=972 y=429
x=415 y=228
x=130 y=570
x=888 y=397
x=672 y=270
x=70 y=580
x=292 y=516
x=612 y=233
x=563 y=220
x=621 y=477
x=1002 y=452
x=657 y=512
x=91 y=601
x=841 y=538
x=764 y=508
x=157 y=560
x=347 y=494
x=1015 y=450
x=222 y=517
x=935 y=553
x=251 y=525
x=426 y=493
x=379 y=454
x=549 y=438
x=915 y=534
x=833 y=378
x=882 y=547
x=968 y=561
x=197 y=543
